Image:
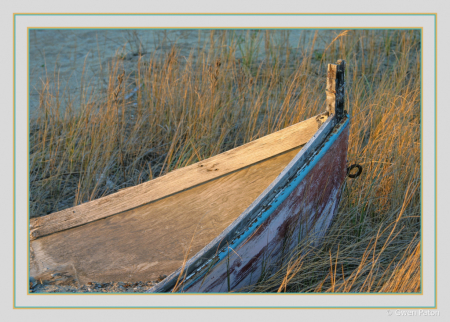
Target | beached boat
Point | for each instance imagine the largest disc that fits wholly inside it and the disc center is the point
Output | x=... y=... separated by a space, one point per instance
x=213 y=226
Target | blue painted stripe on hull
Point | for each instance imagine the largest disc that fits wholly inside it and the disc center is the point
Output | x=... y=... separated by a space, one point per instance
x=278 y=199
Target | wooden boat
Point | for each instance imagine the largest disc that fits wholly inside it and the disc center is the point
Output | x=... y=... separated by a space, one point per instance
x=212 y=226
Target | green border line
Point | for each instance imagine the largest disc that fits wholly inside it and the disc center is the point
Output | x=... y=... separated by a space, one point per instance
x=227 y=14
x=221 y=28
x=232 y=14
x=14 y=163
x=435 y=162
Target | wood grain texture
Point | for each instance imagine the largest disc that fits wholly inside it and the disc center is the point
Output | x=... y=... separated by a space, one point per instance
x=331 y=89
x=178 y=180
x=199 y=259
x=335 y=90
x=153 y=239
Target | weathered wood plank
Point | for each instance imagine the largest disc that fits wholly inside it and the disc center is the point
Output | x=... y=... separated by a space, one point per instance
x=335 y=89
x=151 y=240
x=331 y=89
x=178 y=180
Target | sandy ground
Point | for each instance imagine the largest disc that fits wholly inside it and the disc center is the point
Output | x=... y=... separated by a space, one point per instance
x=59 y=284
x=72 y=57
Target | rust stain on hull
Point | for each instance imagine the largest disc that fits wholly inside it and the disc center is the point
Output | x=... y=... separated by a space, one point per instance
x=307 y=211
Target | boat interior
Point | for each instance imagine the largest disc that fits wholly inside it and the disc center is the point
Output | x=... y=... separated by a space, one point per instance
x=149 y=230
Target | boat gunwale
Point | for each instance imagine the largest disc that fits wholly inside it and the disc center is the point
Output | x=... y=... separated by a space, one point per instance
x=64 y=219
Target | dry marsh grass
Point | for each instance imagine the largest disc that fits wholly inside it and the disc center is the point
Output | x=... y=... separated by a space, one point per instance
x=231 y=90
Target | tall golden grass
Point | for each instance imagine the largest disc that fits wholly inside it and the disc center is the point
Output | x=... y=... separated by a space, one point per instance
x=231 y=90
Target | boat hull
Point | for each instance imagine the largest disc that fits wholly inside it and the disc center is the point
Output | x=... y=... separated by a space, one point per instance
x=305 y=212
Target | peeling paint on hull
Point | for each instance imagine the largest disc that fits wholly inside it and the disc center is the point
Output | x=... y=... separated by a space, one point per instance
x=306 y=211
